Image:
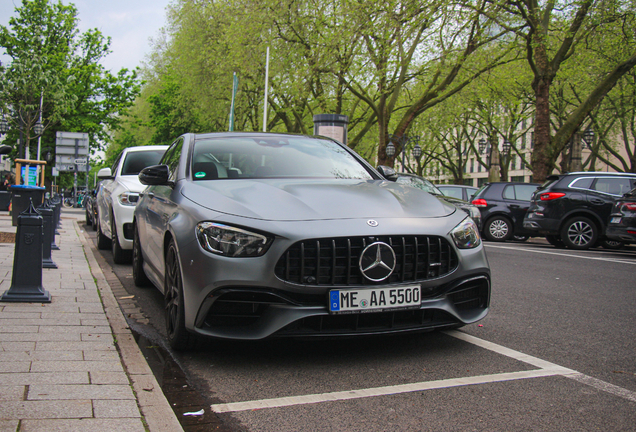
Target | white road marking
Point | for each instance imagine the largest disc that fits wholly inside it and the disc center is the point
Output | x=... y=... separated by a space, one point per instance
x=380 y=391
x=545 y=369
x=523 y=249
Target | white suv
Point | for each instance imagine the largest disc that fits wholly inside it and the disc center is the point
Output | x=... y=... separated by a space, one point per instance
x=118 y=196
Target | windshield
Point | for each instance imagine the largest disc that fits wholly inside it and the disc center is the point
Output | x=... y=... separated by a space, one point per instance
x=273 y=157
x=420 y=183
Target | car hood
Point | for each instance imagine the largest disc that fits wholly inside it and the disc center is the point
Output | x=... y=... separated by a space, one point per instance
x=293 y=200
x=131 y=183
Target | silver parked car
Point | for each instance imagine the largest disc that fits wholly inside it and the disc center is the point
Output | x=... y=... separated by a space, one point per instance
x=252 y=235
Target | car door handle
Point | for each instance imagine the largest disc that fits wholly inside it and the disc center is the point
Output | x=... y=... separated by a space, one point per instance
x=514 y=206
x=597 y=201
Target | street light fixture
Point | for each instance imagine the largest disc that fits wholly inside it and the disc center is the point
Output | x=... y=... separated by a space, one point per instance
x=588 y=137
x=482 y=145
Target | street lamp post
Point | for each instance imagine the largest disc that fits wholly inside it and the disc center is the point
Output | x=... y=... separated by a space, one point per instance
x=403 y=141
x=492 y=158
x=506 y=147
x=38 y=129
x=588 y=137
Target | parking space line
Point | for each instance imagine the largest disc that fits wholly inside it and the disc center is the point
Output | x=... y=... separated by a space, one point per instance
x=546 y=369
x=523 y=249
x=381 y=391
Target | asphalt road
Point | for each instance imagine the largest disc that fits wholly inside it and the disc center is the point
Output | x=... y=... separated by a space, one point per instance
x=556 y=353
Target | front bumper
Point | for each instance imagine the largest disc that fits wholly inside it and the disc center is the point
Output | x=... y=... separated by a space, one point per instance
x=255 y=298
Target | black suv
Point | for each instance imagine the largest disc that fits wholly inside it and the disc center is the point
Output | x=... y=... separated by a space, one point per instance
x=503 y=206
x=573 y=209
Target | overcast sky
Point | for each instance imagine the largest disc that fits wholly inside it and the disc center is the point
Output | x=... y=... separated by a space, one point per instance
x=130 y=24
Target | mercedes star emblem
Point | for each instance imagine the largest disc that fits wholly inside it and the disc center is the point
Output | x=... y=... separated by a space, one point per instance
x=377 y=261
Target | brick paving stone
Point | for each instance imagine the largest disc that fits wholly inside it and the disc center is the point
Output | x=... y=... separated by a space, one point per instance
x=46 y=409
x=87 y=391
x=116 y=409
x=15 y=393
x=77 y=366
x=30 y=355
x=103 y=345
x=9 y=425
x=83 y=425
x=44 y=378
x=98 y=377
x=15 y=366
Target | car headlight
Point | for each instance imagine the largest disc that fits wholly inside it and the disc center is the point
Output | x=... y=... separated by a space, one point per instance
x=129 y=198
x=466 y=234
x=230 y=241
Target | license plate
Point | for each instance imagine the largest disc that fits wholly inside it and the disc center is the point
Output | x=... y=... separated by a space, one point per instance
x=374 y=299
x=615 y=220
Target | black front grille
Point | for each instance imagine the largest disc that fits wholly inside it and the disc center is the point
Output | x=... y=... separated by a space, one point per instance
x=371 y=323
x=335 y=261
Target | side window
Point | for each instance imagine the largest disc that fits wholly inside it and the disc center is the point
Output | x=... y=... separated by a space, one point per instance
x=452 y=192
x=509 y=192
x=612 y=185
x=171 y=158
x=582 y=183
x=113 y=169
x=524 y=192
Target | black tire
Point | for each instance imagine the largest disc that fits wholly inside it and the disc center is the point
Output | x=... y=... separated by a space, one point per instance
x=520 y=238
x=579 y=233
x=103 y=242
x=498 y=229
x=120 y=256
x=89 y=221
x=139 y=275
x=179 y=337
x=555 y=241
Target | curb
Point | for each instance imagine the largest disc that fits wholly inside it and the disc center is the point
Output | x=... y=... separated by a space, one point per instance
x=154 y=406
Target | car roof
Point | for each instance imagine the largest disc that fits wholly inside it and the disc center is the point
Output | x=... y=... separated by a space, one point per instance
x=145 y=148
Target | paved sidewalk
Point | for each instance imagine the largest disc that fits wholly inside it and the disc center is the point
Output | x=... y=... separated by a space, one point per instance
x=73 y=364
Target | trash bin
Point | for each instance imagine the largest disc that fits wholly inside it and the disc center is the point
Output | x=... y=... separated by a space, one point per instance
x=20 y=195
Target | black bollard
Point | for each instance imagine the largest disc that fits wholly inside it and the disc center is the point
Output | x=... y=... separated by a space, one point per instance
x=49 y=202
x=26 y=281
x=48 y=234
x=57 y=208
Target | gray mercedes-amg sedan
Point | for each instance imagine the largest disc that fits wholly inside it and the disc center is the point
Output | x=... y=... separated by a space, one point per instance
x=252 y=235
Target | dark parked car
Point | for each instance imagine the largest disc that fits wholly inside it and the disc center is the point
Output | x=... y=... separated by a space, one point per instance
x=503 y=206
x=425 y=185
x=573 y=209
x=256 y=235
x=90 y=207
x=458 y=191
x=622 y=223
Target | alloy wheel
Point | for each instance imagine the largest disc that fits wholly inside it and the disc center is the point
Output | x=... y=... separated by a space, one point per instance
x=580 y=233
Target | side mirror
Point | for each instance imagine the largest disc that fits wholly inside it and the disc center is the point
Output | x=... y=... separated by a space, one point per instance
x=104 y=173
x=155 y=175
x=388 y=172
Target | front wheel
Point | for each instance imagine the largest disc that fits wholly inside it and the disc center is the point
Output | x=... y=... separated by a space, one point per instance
x=579 y=233
x=498 y=229
x=120 y=256
x=103 y=242
x=179 y=337
x=68 y=203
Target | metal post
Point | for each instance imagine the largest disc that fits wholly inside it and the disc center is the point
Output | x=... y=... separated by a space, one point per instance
x=47 y=234
x=26 y=281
